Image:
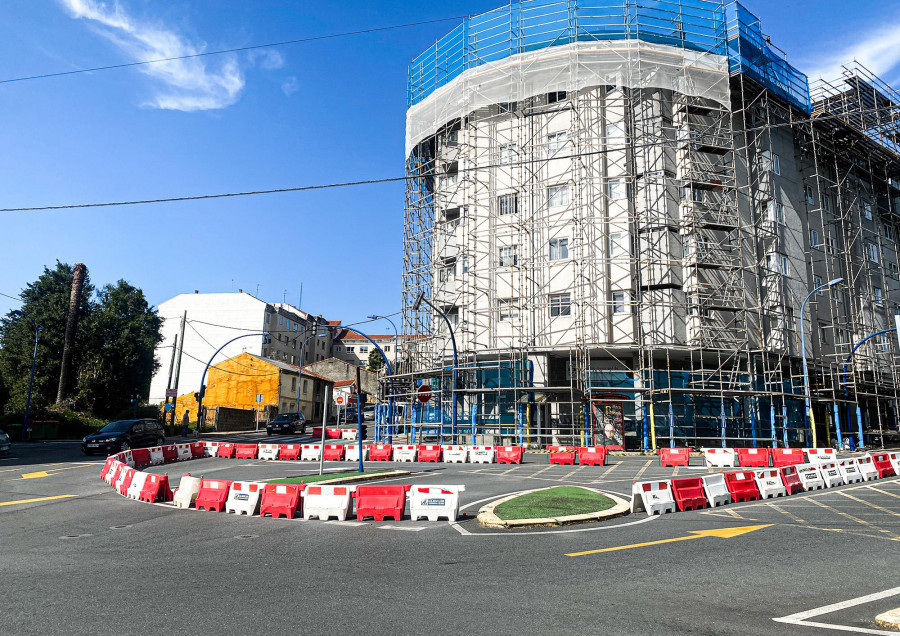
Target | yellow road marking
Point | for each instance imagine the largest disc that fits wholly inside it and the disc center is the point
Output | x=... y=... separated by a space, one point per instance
x=15 y=470
x=883 y=492
x=49 y=473
x=722 y=533
x=868 y=503
x=641 y=471
x=851 y=517
x=37 y=475
x=25 y=501
x=785 y=512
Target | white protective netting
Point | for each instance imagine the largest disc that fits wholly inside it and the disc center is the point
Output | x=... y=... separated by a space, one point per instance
x=571 y=68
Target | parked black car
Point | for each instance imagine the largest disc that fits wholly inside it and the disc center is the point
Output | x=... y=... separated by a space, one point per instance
x=122 y=435
x=287 y=424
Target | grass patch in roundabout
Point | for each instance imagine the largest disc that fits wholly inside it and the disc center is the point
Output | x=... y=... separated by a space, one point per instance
x=559 y=501
x=310 y=479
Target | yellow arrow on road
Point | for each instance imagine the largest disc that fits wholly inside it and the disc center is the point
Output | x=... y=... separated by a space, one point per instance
x=722 y=533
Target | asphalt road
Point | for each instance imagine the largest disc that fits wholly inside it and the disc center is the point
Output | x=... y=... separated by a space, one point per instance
x=76 y=558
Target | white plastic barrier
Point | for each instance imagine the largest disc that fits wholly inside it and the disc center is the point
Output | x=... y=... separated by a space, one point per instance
x=112 y=471
x=720 y=457
x=210 y=448
x=324 y=501
x=137 y=485
x=351 y=453
x=867 y=467
x=831 y=475
x=268 y=451
x=349 y=433
x=405 y=452
x=894 y=458
x=456 y=454
x=187 y=491
x=482 y=454
x=849 y=470
x=310 y=452
x=184 y=452
x=810 y=477
x=769 y=483
x=156 y=456
x=433 y=502
x=654 y=497
x=821 y=455
x=716 y=490
x=243 y=498
x=127 y=459
x=122 y=475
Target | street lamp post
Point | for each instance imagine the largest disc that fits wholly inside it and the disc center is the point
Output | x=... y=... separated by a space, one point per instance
x=264 y=334
x=20 y=313
x=391 y=399
x=844 y=383
x=809 y=412
x=419 y=300
x=315 y=334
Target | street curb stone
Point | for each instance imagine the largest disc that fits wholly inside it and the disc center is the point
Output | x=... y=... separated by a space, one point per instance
x=889 y=619
x=487 y=518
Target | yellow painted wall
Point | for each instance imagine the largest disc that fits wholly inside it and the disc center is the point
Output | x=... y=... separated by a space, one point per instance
x=234 y=383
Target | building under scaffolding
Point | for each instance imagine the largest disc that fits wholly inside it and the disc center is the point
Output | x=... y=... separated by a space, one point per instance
x=620 y=208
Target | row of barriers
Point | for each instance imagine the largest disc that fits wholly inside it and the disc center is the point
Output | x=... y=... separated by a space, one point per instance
x=709 y=491
x=322 y=501
x=749 y=457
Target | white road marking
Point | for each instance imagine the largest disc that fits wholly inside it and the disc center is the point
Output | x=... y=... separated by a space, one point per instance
x=800 y=618
x=406 y=528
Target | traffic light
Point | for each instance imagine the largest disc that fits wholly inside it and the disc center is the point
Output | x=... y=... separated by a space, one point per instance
x=363 y=398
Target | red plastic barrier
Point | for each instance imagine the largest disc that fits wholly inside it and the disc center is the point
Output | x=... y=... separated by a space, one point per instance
x=562 y=455
x=198 y=450
x=380 y=501
x=126 y=482
x=882 y=463
x=791 y=479
x=334 y=452
x=742 y=486
x=289 y=451
x=116 y=472
x=170 y=453
x=510 y=454
x=225 y=449
x=753 y=457
x=592 y=456
x=674 y=456
x=317 y=432
x=156 y=488
x=213 y=494
x=332 y=433
x=380 y=452
x=430 y=453
x=245 y=451
x=281 y=499
x=786 y=457
x=141 y=457
x=689 y=494
x=107 y=466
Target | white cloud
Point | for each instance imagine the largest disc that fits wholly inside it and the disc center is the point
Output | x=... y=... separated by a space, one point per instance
x=187 y=84
x=878 y=51
x=290 y=85
x=268 y=59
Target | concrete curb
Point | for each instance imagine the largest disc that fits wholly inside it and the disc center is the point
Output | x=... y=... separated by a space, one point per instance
x=889 y=620
x=487 y=518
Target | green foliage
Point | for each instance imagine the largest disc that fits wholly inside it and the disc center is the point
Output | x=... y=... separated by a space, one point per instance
x=112 y=359
x=375 y=362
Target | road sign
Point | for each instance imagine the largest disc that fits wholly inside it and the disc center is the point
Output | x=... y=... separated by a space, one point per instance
x=259 y=398
x=171 y=393
x=339 y=400
x=424 y=393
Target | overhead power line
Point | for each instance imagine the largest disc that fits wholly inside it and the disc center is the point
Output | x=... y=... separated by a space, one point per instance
x=233 y=50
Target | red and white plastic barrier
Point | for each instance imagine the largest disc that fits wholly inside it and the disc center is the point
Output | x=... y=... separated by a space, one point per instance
x=715 y=489
x=849 y=471
x=787 y=457
x=592 y=456
x=156 y=488
x=184 y=452
x=433 y=502
x=831 y=474
x=720 y=457
x=894 y=458
x=753 y=457
x=742 y=486
x=810 y=477
x=280 y=499
x=821 y=455
x=225 y=449
x=769 y=483
x=349 y=434
x=482 y=454
x=380 y=452
x=688 y=493
x=136 y=485
x=653 y=497
x=326 y=501
x=310 y=452
x=243 y=498
x=405 y=452
x=213 y=494
x=156 y=456
x=791 y=480
x=211 y=448
x=351 y=453
x=882 y=464
x=269 y=452
x=674 y=456
x=334 y=452
x=456 y=454
x=245 y=451
x=289 y=452
x=867 y=468
x=380 y=500
x=430 y=453
x=562 y=455
x=510 y=454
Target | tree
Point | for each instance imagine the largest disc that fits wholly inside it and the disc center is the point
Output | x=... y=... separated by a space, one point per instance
x=375 y=362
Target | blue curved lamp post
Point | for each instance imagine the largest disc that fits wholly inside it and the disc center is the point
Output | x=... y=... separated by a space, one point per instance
x=419 y=300
x=844 y=382
x=396 y=345
x=20 y=313
x=264 y=334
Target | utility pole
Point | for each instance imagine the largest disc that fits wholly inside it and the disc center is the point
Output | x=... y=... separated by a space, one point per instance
x=169 y=381
x=180 y=343
x=74 y=298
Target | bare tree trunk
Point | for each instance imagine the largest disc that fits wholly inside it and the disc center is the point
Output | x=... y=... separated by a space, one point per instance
x=74 y=300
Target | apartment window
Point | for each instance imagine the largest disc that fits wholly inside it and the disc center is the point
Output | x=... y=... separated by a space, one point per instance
x=879 y=297
x=304 y=387
x=507 y=204
x=386 y=348
x=618 y=245
x=813 y=238
x=696 y=195
x=508 y=154
x=781 y=319
x=555 y=142
x=267 y=319
x=808 y=194
x=817 y=281
x=351 y=349
x=280 y=320
x=835 y=293
x=279 y=337
x=506 y=107
x=509 y=256
x=293 y=359
x=776 y=164
x=777 y=263
x=560 y=305
x=338 y=348
x=619 y=302
x=559 y=249
x=449 y=179
x=364 y=349
x=617 y=189
x=294 y=343
x=826 y=204
x=287 y=324
x=823 y=334
x=776 y=212
x=770 y=161
x=890 y=232
x=615 y=131
x=867 y=210
x=556 y=96
x=884 y=342
x=295 y=326
x=508 y=309
x=872 y=252
x=558 y=196
x=293 y=384
x=446 y=273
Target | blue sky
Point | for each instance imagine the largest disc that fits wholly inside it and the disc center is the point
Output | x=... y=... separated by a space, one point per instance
x=320 y=112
